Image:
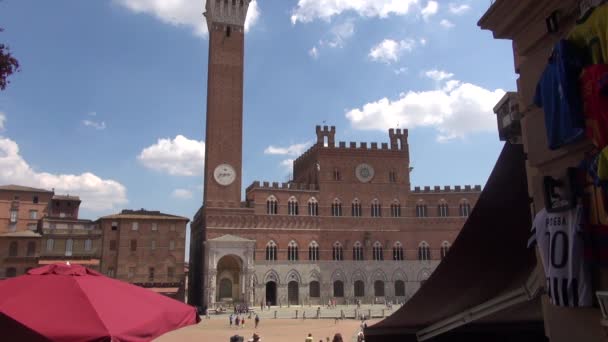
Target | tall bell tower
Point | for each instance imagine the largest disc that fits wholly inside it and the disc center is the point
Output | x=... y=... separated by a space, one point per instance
x=224 y=125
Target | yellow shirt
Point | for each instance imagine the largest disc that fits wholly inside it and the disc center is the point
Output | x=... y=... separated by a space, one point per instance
x=591 y=33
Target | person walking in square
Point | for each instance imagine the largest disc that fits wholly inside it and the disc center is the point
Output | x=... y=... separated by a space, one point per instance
x=231 y=318
x=237 y=320
x=257 y=321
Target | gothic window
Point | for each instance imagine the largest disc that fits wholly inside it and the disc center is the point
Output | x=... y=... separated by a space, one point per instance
x=356 y=208
x=392 y=176
x=359 y=288
x=338 y=289
x=336 y=208
x=421 y=209
x=292 y=206
x=396 y=209
x=313 y=207
x=357 y=251
x=31 y=248
x=445 y=248
x=292 y=251
x=376 y=208
x=465 y=208
x=424 y=251
x=399 y=288
x=271 y=251
x=271 y=206
x=442 y=209
x=337 y=175
x=337 y=251
x=398 y=251
x=377 y=251
x=314 y=289
x=313 y=251
x=378 y=288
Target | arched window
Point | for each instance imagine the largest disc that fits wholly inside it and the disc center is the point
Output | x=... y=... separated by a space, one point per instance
x=336 y=208
x=338 y=289
x=31 y=248
x=379 y=288
x=421 y=210
x=396 y=209
x=50 y=245
x=442 y=209
x=271 y=206
x=314 y=289
x=399 y=288
x=376 y=208
x=88 y=244
x=11 y=272
x=13 y=249
x=337 y=251
x=313 y=251
x=465 y=208
x=271 y=250
x=359 y=288
x=392 y=176
x=445 y=248
x=292 y=206
x=424 y=251
x=356 y=208
x=377 y=251
x=398 y=251
x=313 y=207
x=292 y=251
x=357 y=251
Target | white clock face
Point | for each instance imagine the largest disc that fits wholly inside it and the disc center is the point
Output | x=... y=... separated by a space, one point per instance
x=364 y=172
x=224 y=174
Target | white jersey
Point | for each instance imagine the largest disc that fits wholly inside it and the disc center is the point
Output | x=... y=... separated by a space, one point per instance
x=559 y=239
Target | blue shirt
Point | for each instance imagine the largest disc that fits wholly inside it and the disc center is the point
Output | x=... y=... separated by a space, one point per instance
x=558 y=93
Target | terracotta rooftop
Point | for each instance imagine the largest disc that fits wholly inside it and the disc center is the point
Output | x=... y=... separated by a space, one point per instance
x=144 y=214
x=13 y=187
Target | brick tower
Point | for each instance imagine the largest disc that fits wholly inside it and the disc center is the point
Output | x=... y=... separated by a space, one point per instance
x=224 y=127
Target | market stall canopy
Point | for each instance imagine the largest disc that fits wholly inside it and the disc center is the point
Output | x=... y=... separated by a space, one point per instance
x=488 y=258
x=63 y=302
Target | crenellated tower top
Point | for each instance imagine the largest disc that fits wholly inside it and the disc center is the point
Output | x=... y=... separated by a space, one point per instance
x=231 y=12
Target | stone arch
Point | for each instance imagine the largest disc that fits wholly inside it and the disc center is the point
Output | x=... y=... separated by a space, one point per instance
x=272 y=275
x=314 y=275
x=399 y=274
x=359 y=275
x=293 y=275
x=424 y=274
x=379 y=275
x=338 y=275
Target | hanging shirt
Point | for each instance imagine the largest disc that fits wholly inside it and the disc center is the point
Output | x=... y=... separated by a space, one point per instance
x=558 y=94
x=591 y=34
x=593 y=83
x=561 y=246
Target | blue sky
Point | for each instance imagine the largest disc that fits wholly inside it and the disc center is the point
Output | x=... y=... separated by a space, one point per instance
x=110 y=101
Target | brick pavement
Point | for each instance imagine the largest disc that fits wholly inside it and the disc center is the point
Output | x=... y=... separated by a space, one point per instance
x=270 y=330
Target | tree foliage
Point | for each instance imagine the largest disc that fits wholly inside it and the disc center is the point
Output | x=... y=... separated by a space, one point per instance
x=8 y=65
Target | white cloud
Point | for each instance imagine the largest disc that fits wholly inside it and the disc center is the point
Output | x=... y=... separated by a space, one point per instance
x=100 y=125
x=341 y=32
x=438 y=75
x=422 y=41
x=181 y=194
x=180 y=156
x=390 y=50
x=97 y=194
x=292 y=150
x=459 y=9
x=2 y=121
x=287 y=163
x=455 y=111
x=187 y=13
x=309 y=10
x=400 y=71
x=314 y=52
x=430 y=10
x=446 y=23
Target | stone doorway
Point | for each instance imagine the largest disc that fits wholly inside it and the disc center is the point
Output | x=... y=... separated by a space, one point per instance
x=293 y=290
x=271 y=293
x=229 y=279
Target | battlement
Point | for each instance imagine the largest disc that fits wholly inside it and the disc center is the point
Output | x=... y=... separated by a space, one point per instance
x=446 y=189
x=290 y=186
x=231 y=12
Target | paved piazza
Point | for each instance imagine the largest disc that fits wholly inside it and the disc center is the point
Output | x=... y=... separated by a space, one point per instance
x=270 y=330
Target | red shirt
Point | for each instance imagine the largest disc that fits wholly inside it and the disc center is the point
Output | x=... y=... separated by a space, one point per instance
x=595 y=103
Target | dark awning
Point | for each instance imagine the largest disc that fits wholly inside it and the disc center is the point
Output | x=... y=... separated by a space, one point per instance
x=488 y=258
